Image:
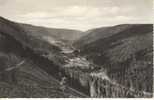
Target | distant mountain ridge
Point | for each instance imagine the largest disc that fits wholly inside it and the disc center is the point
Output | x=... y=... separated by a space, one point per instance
x=104 y=32
x=56 y=33
x=59 y=34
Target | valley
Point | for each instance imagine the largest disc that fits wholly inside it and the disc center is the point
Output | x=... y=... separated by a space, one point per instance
x=109 y=65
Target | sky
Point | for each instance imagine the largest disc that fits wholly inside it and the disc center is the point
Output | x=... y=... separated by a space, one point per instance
x=77 y=14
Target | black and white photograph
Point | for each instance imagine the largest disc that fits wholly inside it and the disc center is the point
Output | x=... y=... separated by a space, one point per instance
x=76 y=48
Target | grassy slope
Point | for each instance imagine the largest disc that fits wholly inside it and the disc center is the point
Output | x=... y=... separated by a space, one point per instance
x=30 y=82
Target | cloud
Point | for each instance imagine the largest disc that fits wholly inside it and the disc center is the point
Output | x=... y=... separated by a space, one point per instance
x=33 y=15
x=77 y=14
x=2 y=2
